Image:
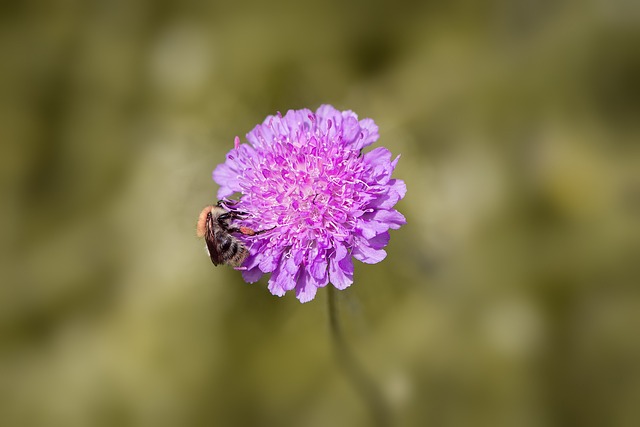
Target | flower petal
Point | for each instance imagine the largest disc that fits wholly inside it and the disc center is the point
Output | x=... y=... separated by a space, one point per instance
x=326 y=113
x=380 y=241
x=305 y=287
x=369 y=131
x=363 y=252
x=281 y=280
x=377 y=156
x=350 y=128
x=391 y=217
x=290 y=264
x=397 y=191
x=227 y=177
x=318 y=267
x=253 y=275
x=368 y=229
x=270 y=260
x=275 y=287
x=341 y=270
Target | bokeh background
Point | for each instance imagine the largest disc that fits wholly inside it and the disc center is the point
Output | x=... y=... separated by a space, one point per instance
x=509 y=299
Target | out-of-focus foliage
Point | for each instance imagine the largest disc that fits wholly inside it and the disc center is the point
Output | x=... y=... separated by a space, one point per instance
x=510 y=299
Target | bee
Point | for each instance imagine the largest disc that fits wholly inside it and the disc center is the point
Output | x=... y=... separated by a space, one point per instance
x=214 y=224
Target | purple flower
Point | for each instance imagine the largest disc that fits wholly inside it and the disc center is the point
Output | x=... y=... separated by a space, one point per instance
x=305 y=176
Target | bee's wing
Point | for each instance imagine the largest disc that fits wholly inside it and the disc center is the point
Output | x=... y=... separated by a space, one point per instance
x=212 y=245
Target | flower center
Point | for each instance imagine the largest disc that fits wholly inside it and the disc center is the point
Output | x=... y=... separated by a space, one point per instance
x=309 y=189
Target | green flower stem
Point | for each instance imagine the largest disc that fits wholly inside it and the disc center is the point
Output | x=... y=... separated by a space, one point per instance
x=361 y=382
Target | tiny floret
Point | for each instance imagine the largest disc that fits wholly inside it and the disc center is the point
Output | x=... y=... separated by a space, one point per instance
x=305 y=178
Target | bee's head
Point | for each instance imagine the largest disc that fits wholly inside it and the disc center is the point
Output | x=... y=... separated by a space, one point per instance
x=204 y=217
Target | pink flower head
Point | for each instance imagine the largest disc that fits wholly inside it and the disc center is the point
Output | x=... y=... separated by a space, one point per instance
x=304 y=176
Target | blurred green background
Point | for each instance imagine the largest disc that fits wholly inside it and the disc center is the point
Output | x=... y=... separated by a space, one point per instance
x=510 y=299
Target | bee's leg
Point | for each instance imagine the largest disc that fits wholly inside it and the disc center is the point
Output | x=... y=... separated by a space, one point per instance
x=229 y=204
x=264 y=231
x=224 y=221
x=247 y=231
x=238 y=214
x=251 y=232
x=231 y=212
x=222 y=218
x=240 y=268
x=233 y=215
x=224 y=203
